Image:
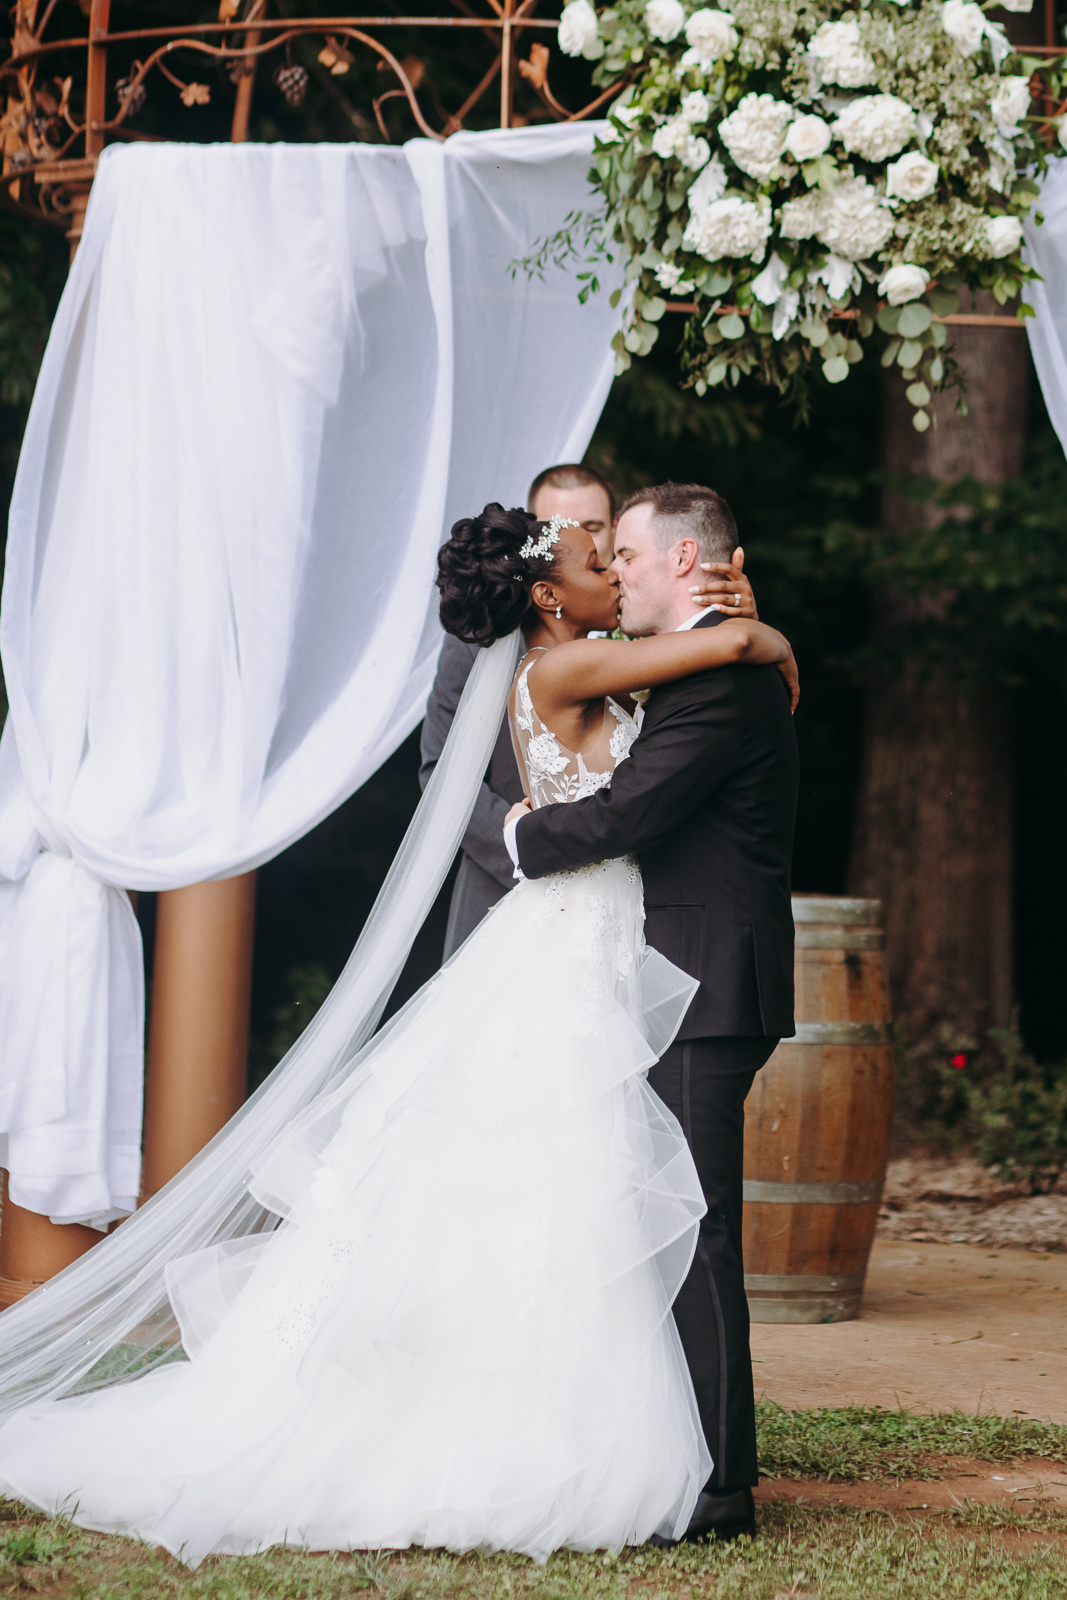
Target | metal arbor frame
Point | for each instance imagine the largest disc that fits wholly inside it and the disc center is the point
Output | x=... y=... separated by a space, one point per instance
x=45 y=144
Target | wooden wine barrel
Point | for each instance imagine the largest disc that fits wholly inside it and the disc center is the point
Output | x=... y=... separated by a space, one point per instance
x=818 y=1123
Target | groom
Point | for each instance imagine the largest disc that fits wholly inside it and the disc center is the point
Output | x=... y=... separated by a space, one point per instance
x=706 y=801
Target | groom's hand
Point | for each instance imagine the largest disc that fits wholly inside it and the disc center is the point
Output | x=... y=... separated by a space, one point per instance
x=724 y=586
x=519 y=809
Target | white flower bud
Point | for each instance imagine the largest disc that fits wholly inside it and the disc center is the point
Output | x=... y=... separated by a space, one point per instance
x=664 y=19
x=913 y=177
x=808 y=138
x=579 y=31
x=901 y=284
x=711 y=33
x=1003 y=236
x=1011 y=103
x=965 y=25
x=729 y=227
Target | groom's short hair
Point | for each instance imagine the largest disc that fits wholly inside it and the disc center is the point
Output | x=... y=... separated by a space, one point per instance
x=689 y=511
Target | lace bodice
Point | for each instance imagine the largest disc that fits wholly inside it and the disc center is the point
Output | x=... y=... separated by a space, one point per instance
x=555 y=775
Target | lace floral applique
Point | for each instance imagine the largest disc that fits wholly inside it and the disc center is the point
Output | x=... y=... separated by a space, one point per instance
x=622 y=735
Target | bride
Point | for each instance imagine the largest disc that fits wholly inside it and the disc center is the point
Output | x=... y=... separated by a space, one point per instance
x=419 y=1291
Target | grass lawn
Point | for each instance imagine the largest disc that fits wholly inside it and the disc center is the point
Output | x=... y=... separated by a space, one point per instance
x=974 y=1552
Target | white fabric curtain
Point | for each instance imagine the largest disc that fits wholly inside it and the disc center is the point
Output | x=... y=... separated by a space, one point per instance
x=278 y=374
x=1046 y=249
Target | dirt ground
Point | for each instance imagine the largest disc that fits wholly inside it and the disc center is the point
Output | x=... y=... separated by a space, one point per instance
x=942 y=1326
x=950 y=1200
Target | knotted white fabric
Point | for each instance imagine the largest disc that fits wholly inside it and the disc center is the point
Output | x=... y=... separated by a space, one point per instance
x=277 y=375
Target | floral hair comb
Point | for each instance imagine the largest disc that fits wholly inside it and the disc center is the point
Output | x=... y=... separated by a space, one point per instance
x=540 y=549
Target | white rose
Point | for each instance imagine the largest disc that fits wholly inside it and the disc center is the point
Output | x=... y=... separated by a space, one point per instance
x=904 y=283
x=755 y=132
x=579 y=31
x=695 y=107
x=839 y=56
x=712 y=35
x=729 y=227
x=1011 y=103
x=1003 y=235
x=965 y=25
x=913 y=177
x=695 y=153
x=853 y=220
x=800 y=218
x=665 y=19
x=876 y=126
x=709 y=187
x=808 y=137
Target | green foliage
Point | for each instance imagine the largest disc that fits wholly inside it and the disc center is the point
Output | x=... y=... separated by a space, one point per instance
x=1019 y=1116
x=308 y=984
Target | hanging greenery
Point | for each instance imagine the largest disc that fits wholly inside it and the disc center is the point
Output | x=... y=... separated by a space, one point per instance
x=808 y=176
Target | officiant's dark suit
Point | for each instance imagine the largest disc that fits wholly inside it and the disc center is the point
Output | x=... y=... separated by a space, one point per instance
x=707 y=802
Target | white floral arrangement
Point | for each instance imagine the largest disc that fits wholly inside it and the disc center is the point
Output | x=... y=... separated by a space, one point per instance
x=805 y=172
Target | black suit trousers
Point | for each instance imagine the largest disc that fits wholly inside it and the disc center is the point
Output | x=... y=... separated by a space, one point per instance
x=705 y=1082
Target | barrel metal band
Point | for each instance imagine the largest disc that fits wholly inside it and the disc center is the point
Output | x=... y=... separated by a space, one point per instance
x=812 y=1194
x=853 y=1033
x=839 y=939
x=784 y=1283
x=837 y=908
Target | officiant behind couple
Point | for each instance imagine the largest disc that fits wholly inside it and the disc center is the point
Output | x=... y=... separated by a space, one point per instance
x=429 y=1300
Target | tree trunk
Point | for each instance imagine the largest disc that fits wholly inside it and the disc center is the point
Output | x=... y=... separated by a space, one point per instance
x=933 y=830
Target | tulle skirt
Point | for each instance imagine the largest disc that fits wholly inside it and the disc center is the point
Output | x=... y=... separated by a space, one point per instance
x=459 y=1334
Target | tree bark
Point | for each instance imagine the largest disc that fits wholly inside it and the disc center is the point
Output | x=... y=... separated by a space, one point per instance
x=933 y=829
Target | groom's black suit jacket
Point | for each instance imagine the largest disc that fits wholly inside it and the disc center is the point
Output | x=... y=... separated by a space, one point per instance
x=707 y=803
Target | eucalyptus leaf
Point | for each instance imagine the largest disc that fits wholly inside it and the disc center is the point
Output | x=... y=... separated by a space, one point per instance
x=889 y=354
x=915 y=318
x=732 y=326
x=889 y=318
x=938 y=334
x=944 y=302
x=936 y=369
x=910 y=353
x=653 y=309
x=716 y=373
x=717 y=281
x=918 y=394
x=921 y=421
x=835 y=370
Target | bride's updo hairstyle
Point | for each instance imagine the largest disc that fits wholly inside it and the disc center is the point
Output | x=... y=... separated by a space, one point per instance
x=484 y=581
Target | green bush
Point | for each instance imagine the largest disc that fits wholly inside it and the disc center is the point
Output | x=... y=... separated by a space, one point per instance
x=1019 y=1117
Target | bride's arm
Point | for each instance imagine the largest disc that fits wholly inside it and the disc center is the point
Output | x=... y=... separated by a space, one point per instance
x=587 y=669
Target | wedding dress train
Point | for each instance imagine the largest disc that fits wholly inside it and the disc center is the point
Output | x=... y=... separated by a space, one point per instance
x=459 y=1333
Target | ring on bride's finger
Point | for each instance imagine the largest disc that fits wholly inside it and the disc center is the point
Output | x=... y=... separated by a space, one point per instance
x=737 y=599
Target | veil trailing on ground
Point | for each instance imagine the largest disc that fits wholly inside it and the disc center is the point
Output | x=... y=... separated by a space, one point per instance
x=108 y=1317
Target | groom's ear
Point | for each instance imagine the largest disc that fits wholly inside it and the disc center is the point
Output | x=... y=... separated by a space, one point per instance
x=687 y=555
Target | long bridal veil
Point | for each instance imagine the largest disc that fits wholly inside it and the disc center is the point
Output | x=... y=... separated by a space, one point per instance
x=108 y=1317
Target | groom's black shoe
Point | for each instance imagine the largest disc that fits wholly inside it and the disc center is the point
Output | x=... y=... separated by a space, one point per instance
x=716 y=1516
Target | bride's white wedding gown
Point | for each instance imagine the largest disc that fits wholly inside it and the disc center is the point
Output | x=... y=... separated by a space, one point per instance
x=459 y=1335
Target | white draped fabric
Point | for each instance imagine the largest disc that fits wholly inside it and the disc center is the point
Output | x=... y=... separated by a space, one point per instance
x=277 y=375
x=1046 y=249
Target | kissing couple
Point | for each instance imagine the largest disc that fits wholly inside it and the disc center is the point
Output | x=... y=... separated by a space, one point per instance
x=473 y=1280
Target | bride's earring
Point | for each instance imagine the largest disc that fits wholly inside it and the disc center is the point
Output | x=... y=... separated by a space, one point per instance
x=559 y=613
